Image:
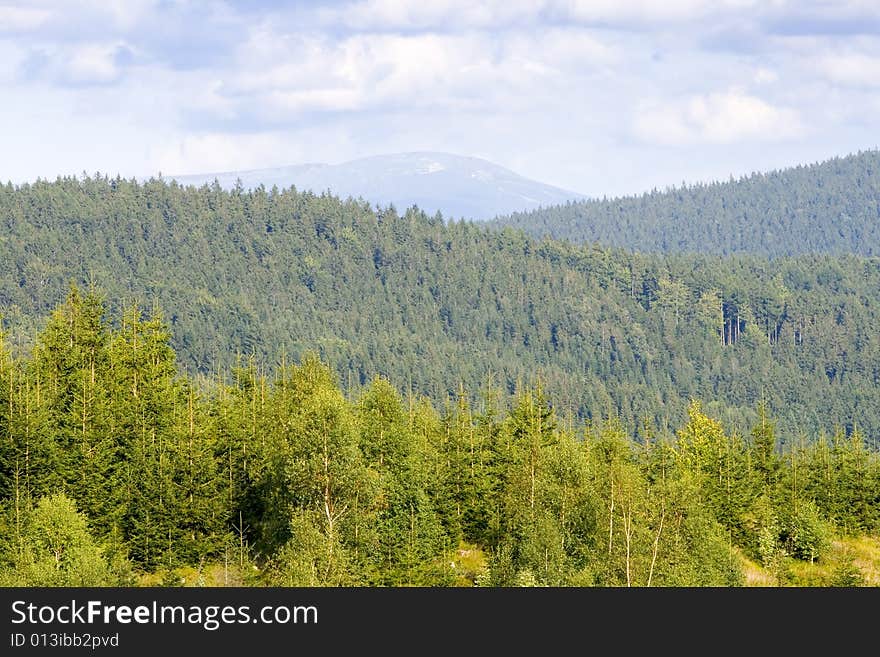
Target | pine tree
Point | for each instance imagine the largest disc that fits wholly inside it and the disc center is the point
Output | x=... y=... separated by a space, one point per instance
x=70 y=365
x=145 y=398
x=763 y=449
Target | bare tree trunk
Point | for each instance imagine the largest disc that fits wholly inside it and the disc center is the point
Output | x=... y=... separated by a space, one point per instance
x=532 y=494
x=533 y=459
x=192 y=430
x=328 y=503
x=240 y=541
x=611 y=518
x=656 y=546
x=18 y=510
x=628 y=532
x=331 y=513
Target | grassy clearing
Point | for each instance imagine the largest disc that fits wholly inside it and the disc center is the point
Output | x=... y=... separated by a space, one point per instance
x=469 y=562
x=755 y=574
x=866 y=557
x=210 y=575
x=852 y=561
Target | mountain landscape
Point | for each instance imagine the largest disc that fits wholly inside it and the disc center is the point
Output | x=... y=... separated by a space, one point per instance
x=338 y=393
x=454 y=185
x=406 y=295
x=337 y=311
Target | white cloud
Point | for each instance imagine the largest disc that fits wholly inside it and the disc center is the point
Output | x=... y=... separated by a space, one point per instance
x=80 y=64
x=215 y=152
x=22 y=19
x=11 y=58
x=473 y=70
x=125 y=14
x=443 y=15
x=856 y=70
x=826 y=9
x=468 y=70
x=385 y=15
x=212 y=152
x=313 y=100
x=719 y=118
x=765 y=76
x=92 y=63
x=31 y=14
x=569 y=49
x=645 y=11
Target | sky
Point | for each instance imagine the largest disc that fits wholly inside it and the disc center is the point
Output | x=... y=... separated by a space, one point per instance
x=602 y=97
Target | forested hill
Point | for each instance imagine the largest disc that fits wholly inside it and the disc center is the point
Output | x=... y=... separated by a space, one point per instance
x=433 y=305
x=831 y=207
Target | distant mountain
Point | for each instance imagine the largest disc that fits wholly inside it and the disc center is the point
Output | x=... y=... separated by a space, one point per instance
x=454 y=185
x=828 y=207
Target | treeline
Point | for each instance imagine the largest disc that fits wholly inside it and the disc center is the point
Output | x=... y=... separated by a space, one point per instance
x=115 y=467
x=434 y=306
x=829 y=207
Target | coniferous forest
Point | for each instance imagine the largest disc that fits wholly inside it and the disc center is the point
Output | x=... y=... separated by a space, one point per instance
x=272 y=387
x=118 y=469
x=826 y=207
x=435 y=306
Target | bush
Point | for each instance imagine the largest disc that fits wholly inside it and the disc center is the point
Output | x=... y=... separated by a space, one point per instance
x=804 y=534
x=57 y=549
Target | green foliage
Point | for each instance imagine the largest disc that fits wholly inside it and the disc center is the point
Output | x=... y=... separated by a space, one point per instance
x=56 y=549
x=846 y=573
x=720 y=463
x=804 y=534
x=763 y=449
x=311 y=557
x=147 y=474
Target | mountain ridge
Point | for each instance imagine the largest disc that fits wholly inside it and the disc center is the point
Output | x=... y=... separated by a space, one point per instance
x=832 y=206
x=457 y=186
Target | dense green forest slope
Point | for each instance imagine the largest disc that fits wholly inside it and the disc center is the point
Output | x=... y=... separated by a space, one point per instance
x=830 y=207
x=116 y=469
x=433 y=305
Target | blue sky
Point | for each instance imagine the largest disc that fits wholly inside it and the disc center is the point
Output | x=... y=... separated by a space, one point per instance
x=603 y=97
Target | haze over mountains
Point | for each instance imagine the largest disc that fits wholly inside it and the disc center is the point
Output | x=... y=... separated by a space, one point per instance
x=454 y=185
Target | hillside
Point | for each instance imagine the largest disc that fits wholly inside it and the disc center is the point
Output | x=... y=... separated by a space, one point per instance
x=433 y=305
x=117 y=469
x=456 y=186
x=830 y=207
